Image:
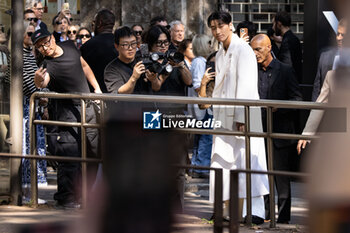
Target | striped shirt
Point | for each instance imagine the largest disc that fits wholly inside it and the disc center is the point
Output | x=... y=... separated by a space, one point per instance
x=29 y=68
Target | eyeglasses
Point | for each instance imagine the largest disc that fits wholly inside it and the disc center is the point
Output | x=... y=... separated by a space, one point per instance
x=58 y=22
x=73 y=32
x=160 y=43
x=44 y=45
x=32 y=19
x=132 y=45
x=138 y=32
x=81 y=36
x=30 y=34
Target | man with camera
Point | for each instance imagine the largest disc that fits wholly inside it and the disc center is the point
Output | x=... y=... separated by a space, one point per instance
x=126 y=75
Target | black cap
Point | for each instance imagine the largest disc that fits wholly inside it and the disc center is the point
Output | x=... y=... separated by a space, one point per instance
x=39 y=34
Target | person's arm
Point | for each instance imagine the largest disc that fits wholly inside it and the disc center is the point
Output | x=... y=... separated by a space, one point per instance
x=41 y=78
x=207 y=77
x=315 y=116
x=90 y=76
x=185 y=73
x=129 y=86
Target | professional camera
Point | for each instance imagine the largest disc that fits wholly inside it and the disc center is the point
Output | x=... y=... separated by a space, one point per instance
x=151 y=62
x=173 y=55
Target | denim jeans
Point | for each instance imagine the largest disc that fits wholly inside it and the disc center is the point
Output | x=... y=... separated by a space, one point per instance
x=202 y=149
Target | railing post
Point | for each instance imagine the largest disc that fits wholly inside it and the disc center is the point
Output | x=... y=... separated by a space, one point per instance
x=33 y=149
x=270 y=167
x=234 y=202
x=248 y=165
x=218 y=202
x=83 y=154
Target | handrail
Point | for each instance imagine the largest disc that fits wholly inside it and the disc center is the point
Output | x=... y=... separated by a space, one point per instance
x=268 y=104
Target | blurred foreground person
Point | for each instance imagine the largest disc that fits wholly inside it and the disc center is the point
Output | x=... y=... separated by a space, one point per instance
x=278 y=81
x=237 y=77
x=65 y=72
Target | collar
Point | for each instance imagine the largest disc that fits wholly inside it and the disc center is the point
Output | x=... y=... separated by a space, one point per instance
x=271 y=66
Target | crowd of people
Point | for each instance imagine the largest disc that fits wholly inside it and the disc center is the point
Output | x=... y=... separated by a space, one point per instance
x=245 y=65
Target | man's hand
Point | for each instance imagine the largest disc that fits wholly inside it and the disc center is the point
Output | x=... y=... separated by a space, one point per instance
x=98 y=91
x=302 y=145
x=39 y=77
x=150 y=76
x=240 y=127
x=139 y=69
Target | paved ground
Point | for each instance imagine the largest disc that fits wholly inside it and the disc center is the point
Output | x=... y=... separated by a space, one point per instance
x=195 y=218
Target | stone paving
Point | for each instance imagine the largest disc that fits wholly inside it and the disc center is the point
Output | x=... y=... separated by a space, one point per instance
x=195 y=218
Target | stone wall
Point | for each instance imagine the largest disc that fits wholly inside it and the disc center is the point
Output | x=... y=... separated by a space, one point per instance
x=193 y=13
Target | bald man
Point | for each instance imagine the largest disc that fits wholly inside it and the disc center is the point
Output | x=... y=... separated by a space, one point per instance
x=277 y=81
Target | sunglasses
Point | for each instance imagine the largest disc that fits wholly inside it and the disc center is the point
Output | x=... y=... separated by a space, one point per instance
x=32 y=19
x=84 y=35
x=30 y=34
x=58 y=22
x=138 y=32
x=73 y=32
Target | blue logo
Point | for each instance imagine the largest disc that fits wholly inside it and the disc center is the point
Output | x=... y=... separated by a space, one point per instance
x=151 y=120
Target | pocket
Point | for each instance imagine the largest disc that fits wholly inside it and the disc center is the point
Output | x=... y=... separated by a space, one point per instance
x=67 y=145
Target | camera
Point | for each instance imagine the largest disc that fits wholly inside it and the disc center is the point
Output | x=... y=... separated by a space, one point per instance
x=151 y=63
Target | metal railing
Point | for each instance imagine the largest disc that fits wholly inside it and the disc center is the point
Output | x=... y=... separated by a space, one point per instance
x=268 y=104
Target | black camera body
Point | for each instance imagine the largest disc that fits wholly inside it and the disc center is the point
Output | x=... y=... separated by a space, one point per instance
x=150 y=60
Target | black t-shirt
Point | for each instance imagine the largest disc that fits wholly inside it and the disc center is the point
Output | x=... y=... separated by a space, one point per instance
x=173 y=86
x=117 y=73
x=98 y=53
x=66 y=72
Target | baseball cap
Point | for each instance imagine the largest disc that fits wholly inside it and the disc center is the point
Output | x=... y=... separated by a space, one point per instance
x=39 y=34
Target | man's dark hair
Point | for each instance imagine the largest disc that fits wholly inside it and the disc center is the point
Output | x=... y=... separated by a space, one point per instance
x=105 y=19
x=152 y=35
x=222 y=16
x=157 y=19
x=132 y=27
x=250 y=26
x=284 y=18
x=122 y=32
x=183 y=45
x=28 y=11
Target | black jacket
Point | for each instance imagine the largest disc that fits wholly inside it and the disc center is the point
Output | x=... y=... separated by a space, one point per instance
x=283 y=85
x=325 y=64
x=290 y=53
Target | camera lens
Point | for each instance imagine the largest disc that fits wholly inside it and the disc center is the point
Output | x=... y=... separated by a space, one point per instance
x=154 y=57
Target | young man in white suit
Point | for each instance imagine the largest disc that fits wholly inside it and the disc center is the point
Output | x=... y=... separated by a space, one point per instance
x=237 y=78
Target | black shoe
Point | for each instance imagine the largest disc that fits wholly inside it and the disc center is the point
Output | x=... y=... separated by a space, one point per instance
x=255 y=220
x=68 y=205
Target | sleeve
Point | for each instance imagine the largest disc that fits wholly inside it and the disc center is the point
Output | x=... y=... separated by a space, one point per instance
x=284 y=54
x=317 y=82
x=197 y=72
x=113 y=79
x=294 y=92
x=315 y=116
x=247 y=80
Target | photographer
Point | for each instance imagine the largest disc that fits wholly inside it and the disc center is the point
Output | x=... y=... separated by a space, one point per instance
x=124 y=75
x=175 y=82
